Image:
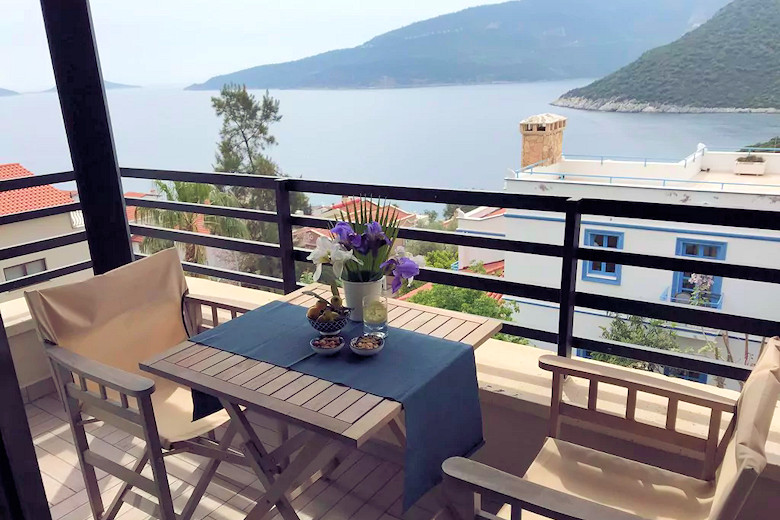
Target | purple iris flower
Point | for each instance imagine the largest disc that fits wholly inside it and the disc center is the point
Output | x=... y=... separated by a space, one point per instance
x=344 y=232
x=373 y=238
x=402 y=269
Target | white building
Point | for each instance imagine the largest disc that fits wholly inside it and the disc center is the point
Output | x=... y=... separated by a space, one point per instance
x=14 y=234
x=705 y=178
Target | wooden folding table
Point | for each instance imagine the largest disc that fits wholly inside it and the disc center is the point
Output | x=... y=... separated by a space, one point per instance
x=332 y=418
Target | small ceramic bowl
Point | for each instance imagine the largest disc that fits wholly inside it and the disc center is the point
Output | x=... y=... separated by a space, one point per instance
x=327 y=351
x=353 y=345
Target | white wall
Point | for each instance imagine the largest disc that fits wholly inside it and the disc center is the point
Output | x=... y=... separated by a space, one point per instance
x=493 y=226
x=724 y=161
x=743 y=246
x=684 y=169
x=37 y=229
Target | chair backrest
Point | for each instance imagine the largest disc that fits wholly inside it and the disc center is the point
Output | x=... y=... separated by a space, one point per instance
x=745 y=458
x=119 y=318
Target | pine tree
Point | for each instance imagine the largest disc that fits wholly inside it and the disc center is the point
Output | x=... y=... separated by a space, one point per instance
x=245 y=137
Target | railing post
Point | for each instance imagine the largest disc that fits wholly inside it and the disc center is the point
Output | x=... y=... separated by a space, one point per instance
x=286 y=257
x=74 y=58
x=571 y=242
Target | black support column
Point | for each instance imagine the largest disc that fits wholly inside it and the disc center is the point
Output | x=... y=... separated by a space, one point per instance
x=22 y=496
x=79 y=81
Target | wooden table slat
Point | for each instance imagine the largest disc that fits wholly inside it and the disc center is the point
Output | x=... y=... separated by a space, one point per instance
x=405 y=318
x=265 y=377
x=395 y=311
x=342 y=402
x=251 y=373
x=482 y=333
x=237 y=369
x=210 y=361
x=310 y=392
x=279 y=382
x=462 y=331
x=419 y=321
x=183 y=349
x=373 y=421
x=197 y=357
x=230 y=361
x=432 y=324
x=446 y=328
x=359 y=408
x=294 y=387
x=328 y=395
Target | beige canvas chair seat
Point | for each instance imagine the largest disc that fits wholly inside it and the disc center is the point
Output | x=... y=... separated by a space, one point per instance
x=616 y=482
x=173 y=412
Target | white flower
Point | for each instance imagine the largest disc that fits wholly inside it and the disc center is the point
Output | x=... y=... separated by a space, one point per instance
x=327 y=250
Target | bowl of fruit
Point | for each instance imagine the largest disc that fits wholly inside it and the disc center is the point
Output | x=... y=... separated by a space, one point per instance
x=328 y=317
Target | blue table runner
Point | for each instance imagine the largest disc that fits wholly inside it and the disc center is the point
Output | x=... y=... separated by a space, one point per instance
x=434 y=379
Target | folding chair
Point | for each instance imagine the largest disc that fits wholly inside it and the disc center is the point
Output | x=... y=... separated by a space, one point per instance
x=568 y=481
x=96 y=332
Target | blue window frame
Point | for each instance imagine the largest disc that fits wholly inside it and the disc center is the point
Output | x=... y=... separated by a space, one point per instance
x=682 y=287
x=602 y=272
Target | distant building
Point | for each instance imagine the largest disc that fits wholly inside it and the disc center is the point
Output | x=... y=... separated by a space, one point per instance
x=349 y=207
x=704 y=178
x=30 y=199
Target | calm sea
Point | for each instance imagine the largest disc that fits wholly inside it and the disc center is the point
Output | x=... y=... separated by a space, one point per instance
x=455 y=137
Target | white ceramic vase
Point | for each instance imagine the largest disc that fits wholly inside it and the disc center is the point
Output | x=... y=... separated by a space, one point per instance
x=354 y=292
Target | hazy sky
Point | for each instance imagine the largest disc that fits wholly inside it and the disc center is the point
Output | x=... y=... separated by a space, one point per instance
x=159 y=42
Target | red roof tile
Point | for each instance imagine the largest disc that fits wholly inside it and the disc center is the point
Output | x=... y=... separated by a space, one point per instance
x=28 y=199
x=130 y=210
x=487 y=212
x=349 y=207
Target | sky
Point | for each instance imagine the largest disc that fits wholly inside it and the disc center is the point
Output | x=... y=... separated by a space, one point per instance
x=179 y=42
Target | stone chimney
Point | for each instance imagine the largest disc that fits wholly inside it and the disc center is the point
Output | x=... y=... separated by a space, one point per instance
x=542 y=139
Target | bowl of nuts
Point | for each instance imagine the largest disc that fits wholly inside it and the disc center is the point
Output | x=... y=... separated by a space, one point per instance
x=367 y=344
x=327 y=345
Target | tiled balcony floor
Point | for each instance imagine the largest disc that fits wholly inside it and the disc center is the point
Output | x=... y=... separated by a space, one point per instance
x=364 y=487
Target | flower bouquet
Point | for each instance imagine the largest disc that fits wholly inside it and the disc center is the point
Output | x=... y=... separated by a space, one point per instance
x=361 y=251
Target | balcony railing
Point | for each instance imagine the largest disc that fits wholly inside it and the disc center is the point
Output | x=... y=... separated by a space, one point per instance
x=571 y=252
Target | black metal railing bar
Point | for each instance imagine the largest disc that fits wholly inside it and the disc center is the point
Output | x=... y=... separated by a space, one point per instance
x=571 y=252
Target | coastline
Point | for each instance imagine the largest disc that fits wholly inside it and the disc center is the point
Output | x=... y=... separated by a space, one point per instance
x=635 y=106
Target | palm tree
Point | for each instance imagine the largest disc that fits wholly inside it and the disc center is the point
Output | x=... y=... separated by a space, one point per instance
x=196 y=193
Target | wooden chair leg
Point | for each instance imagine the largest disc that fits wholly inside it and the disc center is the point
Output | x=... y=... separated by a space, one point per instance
x=116 y=504
x=62 y=377
x=461 y=501
x=154 y=450
x=208 y=474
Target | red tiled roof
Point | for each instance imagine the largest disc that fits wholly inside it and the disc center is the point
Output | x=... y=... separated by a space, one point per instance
x=349 y=206
x=488 y=212
x=425 y=287
x=28 y=199
x=497 y=269
x=131 y=210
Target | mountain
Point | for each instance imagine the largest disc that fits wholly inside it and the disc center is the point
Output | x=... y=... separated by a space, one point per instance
x=729 y=64
x=514 y=41
x=108 y=84
x=5 y=92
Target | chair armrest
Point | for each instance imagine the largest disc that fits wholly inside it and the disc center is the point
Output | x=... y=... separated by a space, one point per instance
x=632 y=378
x=114 y=378
x=220 y=303
x=510 y=489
